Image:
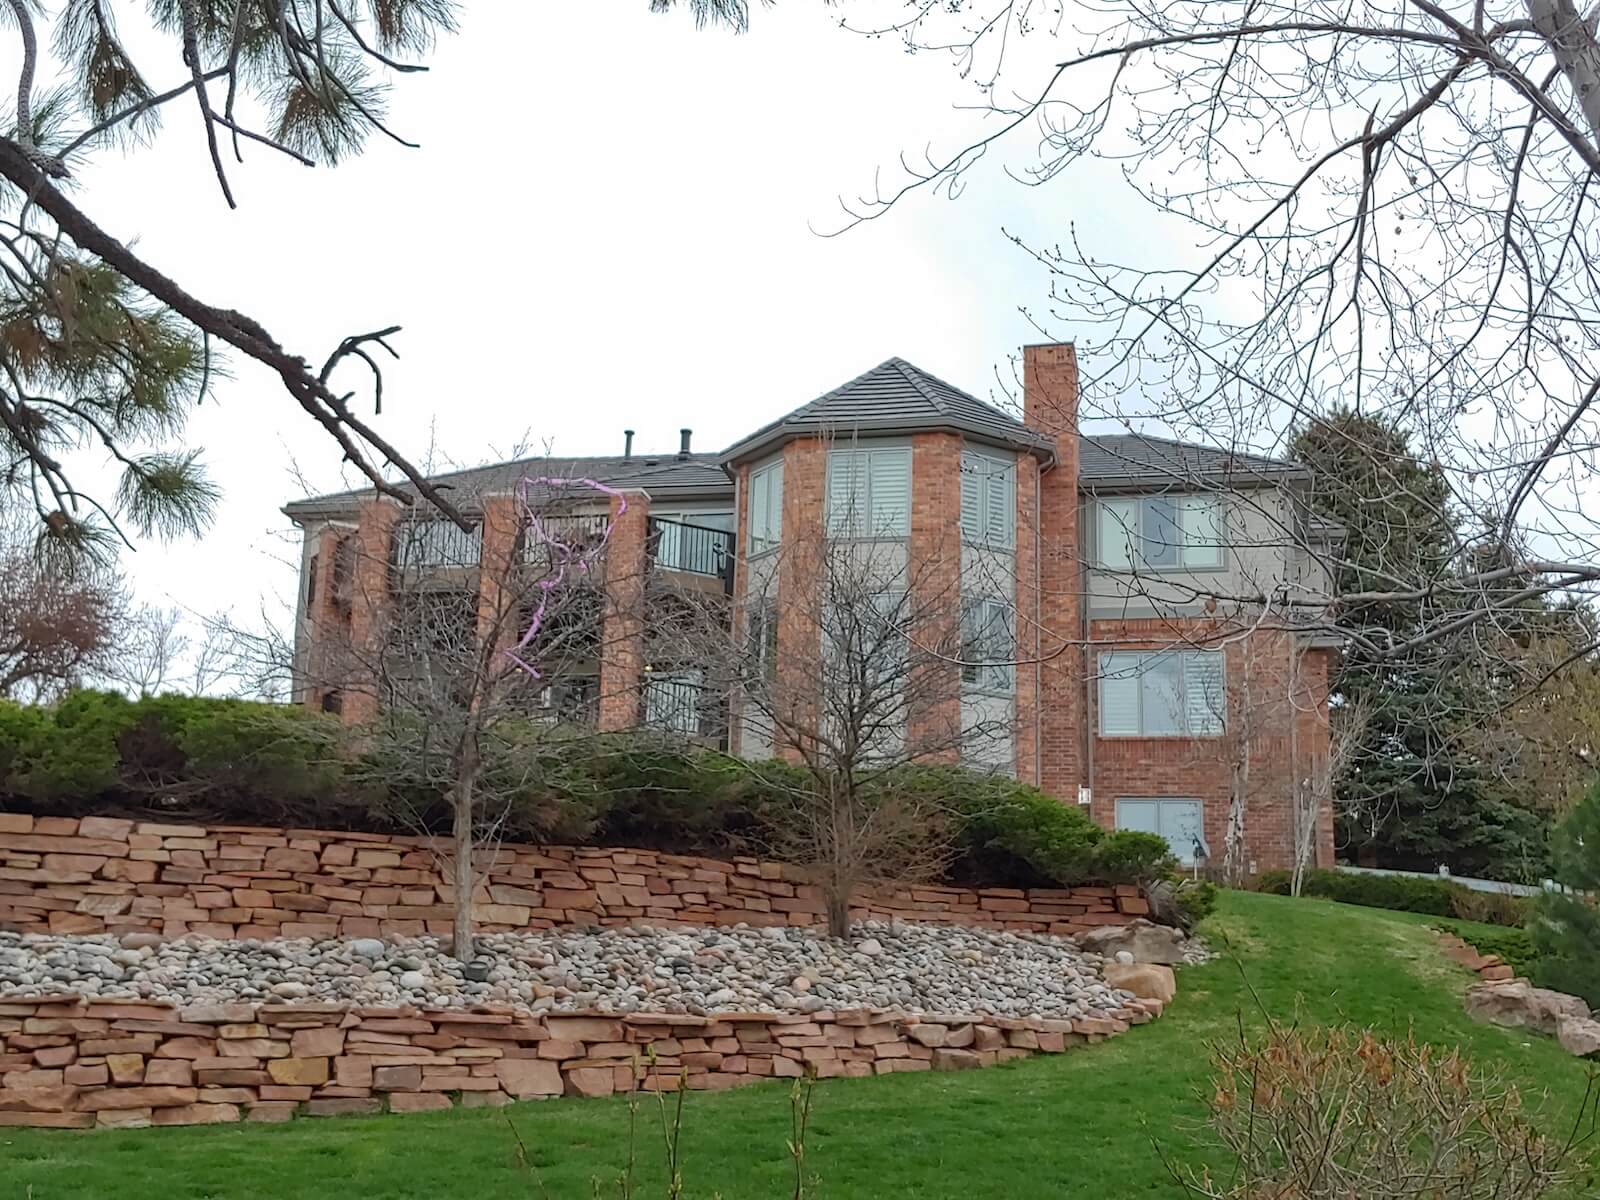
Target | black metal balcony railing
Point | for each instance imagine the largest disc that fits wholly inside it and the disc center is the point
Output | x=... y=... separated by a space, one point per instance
x=576 y=538
x=697 y=549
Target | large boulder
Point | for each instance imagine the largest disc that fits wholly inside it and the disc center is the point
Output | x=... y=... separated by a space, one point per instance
x=1579 y=1035
x=1145 y=940
x=1148 y=981
x=1517 y=1004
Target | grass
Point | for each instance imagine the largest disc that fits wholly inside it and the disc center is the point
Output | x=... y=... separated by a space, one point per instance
x=1076 y=1125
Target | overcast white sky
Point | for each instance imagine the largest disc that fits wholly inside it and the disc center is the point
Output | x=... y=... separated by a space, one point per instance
x=608 y=226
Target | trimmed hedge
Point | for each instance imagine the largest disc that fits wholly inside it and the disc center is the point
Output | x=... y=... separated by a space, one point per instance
x=1514 y=946
x=241 y=762
x=1401 y=893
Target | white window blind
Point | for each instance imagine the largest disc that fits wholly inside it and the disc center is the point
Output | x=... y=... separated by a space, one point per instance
x=869 y=492
x=1165 y=693
x=1135 y=532
x=988 y=498
x=766 y=508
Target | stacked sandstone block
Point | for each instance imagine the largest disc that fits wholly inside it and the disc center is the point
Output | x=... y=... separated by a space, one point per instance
x=103 y=875
x=70 y=1063
x=1489 y=967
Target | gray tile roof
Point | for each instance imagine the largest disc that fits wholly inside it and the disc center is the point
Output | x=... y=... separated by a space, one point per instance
x=663 y=475
x=1137 y=458
x=893 y=397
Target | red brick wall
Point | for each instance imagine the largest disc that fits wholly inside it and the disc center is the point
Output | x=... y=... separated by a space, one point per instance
x=805 y=476
x=935 y=602
x=1202 y=768
x=73 y=1063
x=1029 y=669
x=1050 y=405
x=498 y=560
x=622 y=636
x=66 y=876
x=369 y=595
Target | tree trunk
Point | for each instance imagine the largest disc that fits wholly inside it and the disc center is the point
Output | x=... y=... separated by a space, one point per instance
x=465 y=875
x=838 y=901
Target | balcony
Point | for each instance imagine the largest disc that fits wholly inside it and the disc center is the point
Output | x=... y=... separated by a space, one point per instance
x=692 y=549
x=564 y=538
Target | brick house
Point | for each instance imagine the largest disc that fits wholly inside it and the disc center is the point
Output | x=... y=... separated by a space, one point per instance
x=1130 y=618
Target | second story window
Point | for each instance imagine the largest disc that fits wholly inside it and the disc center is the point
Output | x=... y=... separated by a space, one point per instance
x=988 y=499
x=869 y=492
x=1161 y=693
x=766 y=507
x=1139 y=532
x=988 y=645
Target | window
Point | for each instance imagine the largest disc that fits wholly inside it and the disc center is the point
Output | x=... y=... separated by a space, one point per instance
x=869 y=492
x=311 y=586
x=766 y=507
x=1161 y=531
x=763 y=647
x=988 y=498
x=865 y=646
x=988 y=644
x=1179 y=821
x=1166 y=693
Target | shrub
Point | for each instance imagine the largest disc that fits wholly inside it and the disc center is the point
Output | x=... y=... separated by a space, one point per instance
x=234 y=760
x=1011 y=833
x=1566 y=925
x=1327 y=1114
x=1402 y=893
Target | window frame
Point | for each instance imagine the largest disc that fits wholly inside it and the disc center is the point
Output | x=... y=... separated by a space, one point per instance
x=765 y=539
x=989 y=675
x=1108 y=672
x=987 y=466
x=1201 y=555
x=1197 y=804
x=870 y=528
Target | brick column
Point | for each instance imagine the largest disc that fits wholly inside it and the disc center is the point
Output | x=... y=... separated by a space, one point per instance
x=326 y=623
x=369 y=596
x=1050 y=405
x=1026 y=745
x=622 y=634
x=497 y=587
x=800 y=599
x=934 y=579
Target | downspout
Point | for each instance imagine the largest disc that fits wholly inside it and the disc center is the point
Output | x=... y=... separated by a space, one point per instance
x=736 y=698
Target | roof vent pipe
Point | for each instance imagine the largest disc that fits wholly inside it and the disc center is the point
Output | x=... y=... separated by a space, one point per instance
x=627 y=443
x=683 y=442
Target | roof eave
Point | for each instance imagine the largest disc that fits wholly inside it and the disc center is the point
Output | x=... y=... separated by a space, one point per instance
x=780 y=435
x=1258 y=477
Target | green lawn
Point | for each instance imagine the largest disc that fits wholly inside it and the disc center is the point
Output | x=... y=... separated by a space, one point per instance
x=1075 y=1125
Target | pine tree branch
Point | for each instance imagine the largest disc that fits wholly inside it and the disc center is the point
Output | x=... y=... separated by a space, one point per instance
x=236 y=329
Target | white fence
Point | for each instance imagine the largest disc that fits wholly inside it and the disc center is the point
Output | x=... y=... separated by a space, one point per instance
x=1466 y=881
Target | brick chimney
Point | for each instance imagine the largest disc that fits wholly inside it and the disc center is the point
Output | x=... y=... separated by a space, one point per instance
x=1050 y=406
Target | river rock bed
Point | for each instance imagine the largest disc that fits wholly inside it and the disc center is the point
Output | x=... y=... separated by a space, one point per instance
x=912 y=967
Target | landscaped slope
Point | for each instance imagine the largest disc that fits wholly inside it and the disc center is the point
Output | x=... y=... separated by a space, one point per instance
x=1077 y=1125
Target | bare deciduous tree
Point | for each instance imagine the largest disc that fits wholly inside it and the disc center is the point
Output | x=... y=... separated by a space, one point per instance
x=856 y=676
x=482 y=656
x=59 y=622
x=1387 y=205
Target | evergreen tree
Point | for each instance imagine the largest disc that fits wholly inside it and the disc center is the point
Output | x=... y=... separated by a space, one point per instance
x=1566 y=925
x=100 y=349
x=1418 y=793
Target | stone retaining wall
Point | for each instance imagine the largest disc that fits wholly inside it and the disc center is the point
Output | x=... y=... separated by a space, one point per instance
x=75 y=1064
x=69 y=876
